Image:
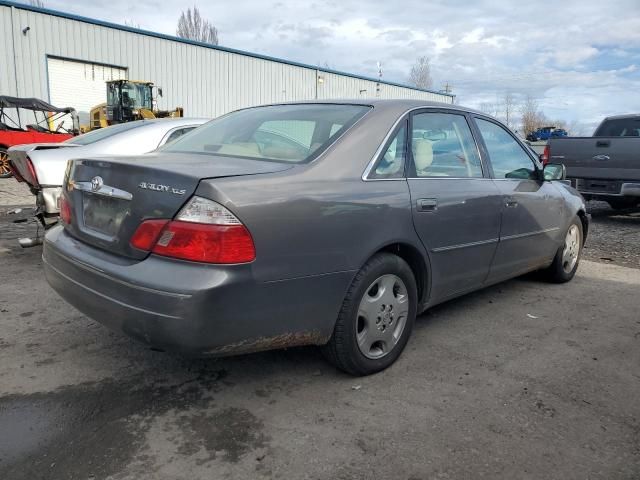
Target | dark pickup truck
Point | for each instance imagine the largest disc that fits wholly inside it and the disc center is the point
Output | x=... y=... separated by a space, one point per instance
x=605 y=166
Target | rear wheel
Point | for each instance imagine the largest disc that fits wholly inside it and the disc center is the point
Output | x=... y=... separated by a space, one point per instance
x=565 y=263
x=376 y=318
x=5 y=168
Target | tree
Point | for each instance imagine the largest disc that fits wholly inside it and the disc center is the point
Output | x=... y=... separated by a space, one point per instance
x=420 y=75
x=36 y=3
x=509 y=108
x=131 y=23
x=532 y=118
x=191 y=25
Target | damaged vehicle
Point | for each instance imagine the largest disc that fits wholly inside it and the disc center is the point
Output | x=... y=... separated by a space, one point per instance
x=42 y=165
x=330 y=224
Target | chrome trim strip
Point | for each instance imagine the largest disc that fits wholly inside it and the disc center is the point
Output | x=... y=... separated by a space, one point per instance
x=104 y=190
x=529 y=234
x=465 y=245
x=448 y=178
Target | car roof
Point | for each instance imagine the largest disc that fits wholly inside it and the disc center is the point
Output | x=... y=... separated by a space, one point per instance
x=408 y=104
x=623 y=117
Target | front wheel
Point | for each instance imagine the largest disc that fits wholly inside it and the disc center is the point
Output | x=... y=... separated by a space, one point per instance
x=376 y=318
x=5 y=168
x=565 y=263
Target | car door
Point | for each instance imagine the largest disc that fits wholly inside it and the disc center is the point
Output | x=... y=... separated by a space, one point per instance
x=531 y=208
x=455 y=204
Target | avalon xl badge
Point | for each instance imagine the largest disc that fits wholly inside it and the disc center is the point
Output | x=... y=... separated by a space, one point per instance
x=161 y=188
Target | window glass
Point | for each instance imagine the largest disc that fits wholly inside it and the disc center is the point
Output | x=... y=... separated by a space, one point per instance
x=508 y=158
x=177 y=134
x=442 y=146
x=621 y=127
x=281 y=133
x=102 y=133
x=391 y=164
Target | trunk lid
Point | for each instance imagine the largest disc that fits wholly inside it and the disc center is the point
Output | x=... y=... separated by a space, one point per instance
x=110 y=197
x=19 y=158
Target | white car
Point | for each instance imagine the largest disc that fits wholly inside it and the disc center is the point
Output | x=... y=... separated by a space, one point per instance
x=42 y=165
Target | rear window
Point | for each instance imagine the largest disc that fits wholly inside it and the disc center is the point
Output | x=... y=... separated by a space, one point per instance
x=102 y=133
x=621 y=127
x=280 y=133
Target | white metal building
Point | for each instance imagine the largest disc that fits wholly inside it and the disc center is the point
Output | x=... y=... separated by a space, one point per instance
x=65 y=59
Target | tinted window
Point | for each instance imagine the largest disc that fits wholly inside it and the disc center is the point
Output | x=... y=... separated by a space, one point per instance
x=102 y=133
x=284 y=133
x=508 y=158
x=621 y=127
x=391 y=164
x=173 y=136
x=442 y=146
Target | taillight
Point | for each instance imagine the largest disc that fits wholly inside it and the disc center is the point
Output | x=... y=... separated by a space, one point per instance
x=65 y=210
x=203 y=231
x=545 y=155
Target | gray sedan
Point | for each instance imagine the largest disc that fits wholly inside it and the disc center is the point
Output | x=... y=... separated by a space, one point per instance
x=328 y=224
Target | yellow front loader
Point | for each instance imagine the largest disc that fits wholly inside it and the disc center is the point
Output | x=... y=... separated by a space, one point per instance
x=128 y=100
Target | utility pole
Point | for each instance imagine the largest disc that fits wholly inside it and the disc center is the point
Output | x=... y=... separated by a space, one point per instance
x=447 y=88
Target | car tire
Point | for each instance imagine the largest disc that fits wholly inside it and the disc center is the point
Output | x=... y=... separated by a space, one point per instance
x=5 y=168
x=567 y=258
x=376 y=318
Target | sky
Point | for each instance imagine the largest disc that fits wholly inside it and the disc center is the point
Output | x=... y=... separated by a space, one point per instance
x=580 y=60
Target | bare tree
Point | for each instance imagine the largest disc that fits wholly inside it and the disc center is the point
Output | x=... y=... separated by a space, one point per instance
x=420 y=75
x=36 y=3
x=489 y=108
x=131 y=23
x=509 y=108
x=191 y=25
x=532 y=117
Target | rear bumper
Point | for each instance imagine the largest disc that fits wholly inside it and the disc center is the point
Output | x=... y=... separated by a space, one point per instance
x=192 y=308
x=606 y=188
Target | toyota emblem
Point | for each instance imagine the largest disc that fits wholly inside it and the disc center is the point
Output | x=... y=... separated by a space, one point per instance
x=96 y=183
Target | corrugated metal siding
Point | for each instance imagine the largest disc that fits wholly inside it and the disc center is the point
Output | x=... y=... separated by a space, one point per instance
x=205 y=81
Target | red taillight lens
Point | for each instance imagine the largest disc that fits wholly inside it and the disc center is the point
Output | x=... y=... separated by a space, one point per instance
x=30 y=175
x=197 y=242
x=545 y=155
x=147 y=234
x=65 y=210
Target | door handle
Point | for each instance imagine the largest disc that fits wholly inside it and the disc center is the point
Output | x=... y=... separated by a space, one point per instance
x=427 y=204
x=603 y=143
x=510 y=202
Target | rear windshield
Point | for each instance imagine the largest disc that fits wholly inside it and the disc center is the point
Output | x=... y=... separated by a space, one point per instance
x=621 y=127
x=102 y=133
x=280 y=133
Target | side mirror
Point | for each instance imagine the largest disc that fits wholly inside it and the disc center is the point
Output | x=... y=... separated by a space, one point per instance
x=159 y=91
x=554 y=171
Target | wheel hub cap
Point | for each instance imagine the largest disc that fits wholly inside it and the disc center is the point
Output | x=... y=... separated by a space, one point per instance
x=382 y=316
x=571 y=252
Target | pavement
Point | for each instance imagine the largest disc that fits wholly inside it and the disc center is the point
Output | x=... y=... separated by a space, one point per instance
x=523 y=380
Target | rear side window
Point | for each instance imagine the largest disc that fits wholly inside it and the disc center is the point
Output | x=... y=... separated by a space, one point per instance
x=280 y=133
x=176 y=134
x=442 y=146
x=508 y=158
x=620 y=127
x=391 y=163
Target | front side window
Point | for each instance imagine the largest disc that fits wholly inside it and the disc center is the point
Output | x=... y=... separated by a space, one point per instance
x=442 y=146
x=391 y=164
x=280 y=133
x=508 y=158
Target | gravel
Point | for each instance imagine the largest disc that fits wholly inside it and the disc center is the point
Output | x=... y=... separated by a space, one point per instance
x=614 y=235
